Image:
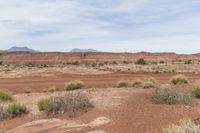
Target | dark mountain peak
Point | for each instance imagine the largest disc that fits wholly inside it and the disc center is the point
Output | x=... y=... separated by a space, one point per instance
x=21 y=49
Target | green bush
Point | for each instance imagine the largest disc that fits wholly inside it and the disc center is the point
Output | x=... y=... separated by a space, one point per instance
x=169 y=95
x=42 y=103
x=122 y=84
x=179 y=79
x=69 y=103
x=4 y=96
x=75 y=63
x=186 y=126
x=196 y=90
x=73 y=85
x=188 y=62
x=162 y=62
x=16 y=109
x=148 y=83
x=141 y=61
x=94 y=64
x=114 y=63
x=12 y=110
x=125 y=62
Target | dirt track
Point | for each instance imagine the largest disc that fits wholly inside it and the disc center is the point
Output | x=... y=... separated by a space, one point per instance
x=38 y=83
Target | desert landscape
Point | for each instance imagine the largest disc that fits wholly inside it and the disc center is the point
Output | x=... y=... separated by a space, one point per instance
x=98 y=92
x=99 y=66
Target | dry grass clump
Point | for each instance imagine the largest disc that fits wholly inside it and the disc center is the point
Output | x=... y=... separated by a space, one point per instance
x=179 y=79
x=15 y=109
x=195 y=89
x=123 y=84
x=186 y=126
x=165 y=94
x=12 y=110
x=5 y=96
x=42 y=103
x=137 y=83
x=9 y=108
x=69 y=103
x=149 y=83
x=74 y=85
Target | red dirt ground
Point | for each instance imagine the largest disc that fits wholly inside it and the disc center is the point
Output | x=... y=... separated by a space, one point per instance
x=37 y=83
x=136 y=114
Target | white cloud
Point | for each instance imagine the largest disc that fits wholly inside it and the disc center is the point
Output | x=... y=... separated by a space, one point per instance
x=104 y=24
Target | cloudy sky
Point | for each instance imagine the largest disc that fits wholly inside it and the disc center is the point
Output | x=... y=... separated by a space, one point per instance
x=106 y=25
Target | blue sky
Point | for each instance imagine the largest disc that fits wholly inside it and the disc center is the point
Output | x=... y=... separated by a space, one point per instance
x=106 y=25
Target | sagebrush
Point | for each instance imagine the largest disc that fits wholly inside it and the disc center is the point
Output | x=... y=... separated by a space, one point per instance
x=42 y=103
x=69 y=103
x=169 y=95
x=5 y=96
x=179 y=79
x=186 y=126
x=195 y=89
x=12 y=110
x=149 y=83
x=123 y=84
x=74 y=85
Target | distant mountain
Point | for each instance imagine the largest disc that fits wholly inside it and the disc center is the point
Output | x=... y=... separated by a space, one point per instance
x=21 y=49
x=83 y=50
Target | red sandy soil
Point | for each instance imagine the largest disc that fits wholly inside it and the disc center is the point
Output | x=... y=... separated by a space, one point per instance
x=56 y=57
x=136 y=113
x=38 y=83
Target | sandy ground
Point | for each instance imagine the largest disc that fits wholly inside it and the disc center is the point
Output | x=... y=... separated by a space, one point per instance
x=125 y=110
x=54 y=80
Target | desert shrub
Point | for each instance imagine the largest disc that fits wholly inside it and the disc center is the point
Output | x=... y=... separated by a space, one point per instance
x=16 y=109
x=4 y=96
x=186 y=126
x=3 y=114
x=73 y=63
x=179 y=79
x=94 y=64
x=69 y=103
x=188 y=62
x=125 y=62
x=42 y=103
x=73 y=85
x=169 y=95
x=137 y=83
x=154 y=63
x=162 y=62
x=148 y=83
x=141 y=61
x=12 y=110
x=101 y=64
x=195 y=89
x=114 y=63
x=122 y=83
